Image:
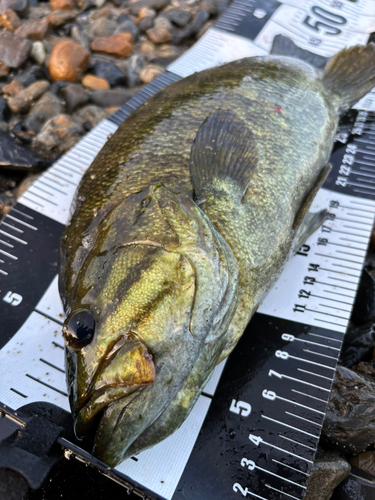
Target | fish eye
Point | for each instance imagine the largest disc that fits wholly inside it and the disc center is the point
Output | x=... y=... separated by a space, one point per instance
x=80 y=328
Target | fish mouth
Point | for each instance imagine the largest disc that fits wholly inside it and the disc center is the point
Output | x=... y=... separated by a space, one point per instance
x=89 y=416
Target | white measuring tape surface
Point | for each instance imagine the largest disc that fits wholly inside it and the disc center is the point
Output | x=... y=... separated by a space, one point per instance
x=259 y=426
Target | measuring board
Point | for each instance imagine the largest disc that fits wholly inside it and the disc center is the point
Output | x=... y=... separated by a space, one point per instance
x=255 y=429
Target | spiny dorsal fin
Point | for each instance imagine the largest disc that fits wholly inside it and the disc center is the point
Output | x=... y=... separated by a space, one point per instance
x=350 y=74
x=224 y=147
x=284 y=46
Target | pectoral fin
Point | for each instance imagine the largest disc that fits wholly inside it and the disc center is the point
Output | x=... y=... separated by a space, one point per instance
x=224 y=147
x=307 y=223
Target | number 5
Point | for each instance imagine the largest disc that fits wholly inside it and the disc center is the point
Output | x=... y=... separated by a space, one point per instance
x=240 y=408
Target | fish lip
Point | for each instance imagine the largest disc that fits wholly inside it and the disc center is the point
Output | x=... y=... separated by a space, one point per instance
x=84 y=420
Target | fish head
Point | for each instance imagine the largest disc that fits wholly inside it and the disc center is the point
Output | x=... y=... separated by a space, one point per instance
x=153 y=288
x=116 y=331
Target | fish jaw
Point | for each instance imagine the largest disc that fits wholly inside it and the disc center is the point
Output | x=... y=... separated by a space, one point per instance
x=127 y=367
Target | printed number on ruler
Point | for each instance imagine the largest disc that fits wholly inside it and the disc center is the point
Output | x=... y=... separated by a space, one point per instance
x=318 y=26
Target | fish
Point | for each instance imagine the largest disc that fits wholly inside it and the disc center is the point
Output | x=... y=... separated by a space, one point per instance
x=181 y=225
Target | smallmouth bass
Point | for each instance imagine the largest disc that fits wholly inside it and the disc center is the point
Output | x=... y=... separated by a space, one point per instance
x=182 y=223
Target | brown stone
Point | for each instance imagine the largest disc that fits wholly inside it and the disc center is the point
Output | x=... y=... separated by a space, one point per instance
x=120 y=45
x=33 y=30
x=61 y=4
x=365 y=461
x=4 y=70
x=93 y=82
x=146 y=12
x=150 y=72
x=58 y=135
x=22 y=102
x=12 y=88
x=68 y=62
x=159 y=35
x=60 y=17
x=10 y=20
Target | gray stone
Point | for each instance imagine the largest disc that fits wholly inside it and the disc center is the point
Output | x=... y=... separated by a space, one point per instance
x=128 y=27
x=349 y=425
x=4 y=111
x=196 y=24
x=13 y=50
x=16 y=157
x=178 y=17
x=145 y=24
x=110 y=98
x=89 y=116
x=24 y=99
x=20 y=7
x=109 y=72
x=57 y=136
x=152 y=4
x=80 y=37
x=102 y=27
x=75 y=96
x=32 y=74
x=135 y=66
x=48 y=106
x=38 y=52
x=328 y=471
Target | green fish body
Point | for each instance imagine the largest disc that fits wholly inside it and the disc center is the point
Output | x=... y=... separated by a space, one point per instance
x=181 y=225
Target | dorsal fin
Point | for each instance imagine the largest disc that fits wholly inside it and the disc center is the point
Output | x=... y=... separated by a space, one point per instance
x=284 y=46
x=224 y=147
x=350 y=74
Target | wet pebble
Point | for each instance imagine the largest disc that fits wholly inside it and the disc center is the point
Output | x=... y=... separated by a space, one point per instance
x=359 y=343
x=38 y=52
x=135 y=65
x=14 y=50
x=128 y=27
x=159 y=35
x=3 y=108
x=102 y=27
x=69 y=61
x=80 y=37
x=31 y=74
x=349 y=425
x=151 y=4
x=75 y=96
x=90 y=115
x=33 y=30
x=61 y=4
x=120 y=45
x=58 y=135
x=110 y=72
x=4 y=70
x=20 y=7
x=150 y=72
x=328 y=470
x=12 y=88
x=24 y=99
x=92 y=82
x=365 y=461
x=16 y=156
x=110 y=98
x=60 y=17
x=49 y=105
x=178 y=17
x=196 y=24
x=9 y=20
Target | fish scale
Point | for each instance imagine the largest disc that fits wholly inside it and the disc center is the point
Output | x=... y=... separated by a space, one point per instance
x=306 y=296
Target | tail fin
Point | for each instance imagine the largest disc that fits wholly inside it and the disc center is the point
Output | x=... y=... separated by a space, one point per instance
x=350 y=74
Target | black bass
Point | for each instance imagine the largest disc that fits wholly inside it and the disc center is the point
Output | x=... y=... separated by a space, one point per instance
x=181 y=225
